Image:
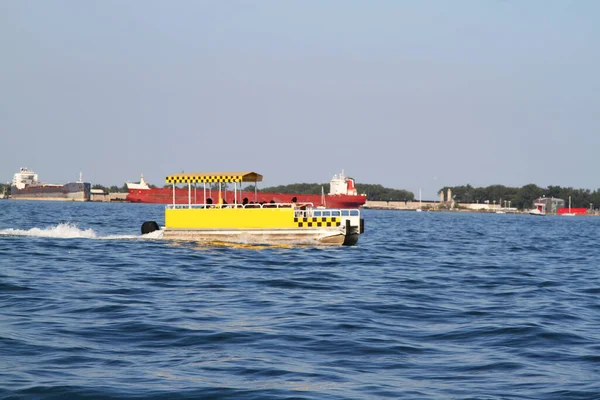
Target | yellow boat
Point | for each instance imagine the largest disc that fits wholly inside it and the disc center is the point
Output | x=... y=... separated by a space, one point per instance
x=248 y=222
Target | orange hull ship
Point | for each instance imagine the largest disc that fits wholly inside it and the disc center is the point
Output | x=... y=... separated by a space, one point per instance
x=342 y=194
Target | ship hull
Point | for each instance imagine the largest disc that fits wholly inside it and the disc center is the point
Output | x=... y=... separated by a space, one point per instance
x=183 y=196
x=74 y=191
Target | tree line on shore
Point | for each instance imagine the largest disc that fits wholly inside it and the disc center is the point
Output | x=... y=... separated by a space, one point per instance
x=519 y=197
x=522 y=197
x=112 y=189
x=373 y=192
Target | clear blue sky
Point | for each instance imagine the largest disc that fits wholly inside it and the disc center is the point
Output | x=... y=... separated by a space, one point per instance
x=408 y=94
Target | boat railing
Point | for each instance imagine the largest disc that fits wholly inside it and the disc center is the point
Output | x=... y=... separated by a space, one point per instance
x=305 y=211
x=250 y=205
x=327 y=212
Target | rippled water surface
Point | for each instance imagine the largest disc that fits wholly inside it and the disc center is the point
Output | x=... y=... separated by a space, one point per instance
x=428 y=305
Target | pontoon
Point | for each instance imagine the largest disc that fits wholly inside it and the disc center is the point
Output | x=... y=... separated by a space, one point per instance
x=246 y=221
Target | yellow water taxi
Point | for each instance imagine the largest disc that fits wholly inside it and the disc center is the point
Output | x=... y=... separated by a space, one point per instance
x=244 y=221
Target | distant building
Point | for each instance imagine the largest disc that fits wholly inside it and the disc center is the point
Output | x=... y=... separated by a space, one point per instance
x=98 y=195
x=552 y=204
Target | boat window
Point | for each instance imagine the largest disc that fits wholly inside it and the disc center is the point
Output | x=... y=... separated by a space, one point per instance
x=350 y=212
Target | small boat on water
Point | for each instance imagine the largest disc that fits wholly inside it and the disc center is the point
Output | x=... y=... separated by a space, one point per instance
x=242 y=221
x=420 y=209
x=540 y=209
x=570 y=213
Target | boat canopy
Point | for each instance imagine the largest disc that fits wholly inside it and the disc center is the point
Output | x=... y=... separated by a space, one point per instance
x=214 y=177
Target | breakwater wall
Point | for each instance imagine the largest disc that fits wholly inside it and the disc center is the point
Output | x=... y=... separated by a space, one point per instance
x=100 y=196
x=427 y=205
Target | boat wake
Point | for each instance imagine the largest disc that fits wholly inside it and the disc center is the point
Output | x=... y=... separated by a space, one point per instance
x=72 y=231
x=69 y=230
x=64 y=231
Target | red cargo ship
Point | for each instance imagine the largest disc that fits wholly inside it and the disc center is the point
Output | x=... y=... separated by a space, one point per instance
x=342 y=194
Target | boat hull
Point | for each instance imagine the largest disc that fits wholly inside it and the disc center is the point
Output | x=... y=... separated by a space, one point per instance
x=73 y=191
x=271 y=224
x=262 y=236
x=196 y=196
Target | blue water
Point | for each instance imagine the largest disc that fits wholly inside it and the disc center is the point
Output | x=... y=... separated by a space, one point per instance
x=427 y=306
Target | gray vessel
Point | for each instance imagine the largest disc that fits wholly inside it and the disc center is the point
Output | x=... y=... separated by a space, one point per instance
x=26 y=186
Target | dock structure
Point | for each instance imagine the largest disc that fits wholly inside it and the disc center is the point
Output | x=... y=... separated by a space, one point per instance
x=100 y=195
x=399 y=205
x=117 y=197
x=430 y=205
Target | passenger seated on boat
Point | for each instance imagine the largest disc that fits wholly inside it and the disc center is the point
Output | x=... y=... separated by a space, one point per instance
x=296 y=207
x=209 y=203
x=295 y=204
x=245 y=201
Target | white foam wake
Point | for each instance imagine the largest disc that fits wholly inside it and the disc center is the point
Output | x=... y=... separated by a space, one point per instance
x=154 y=235
x=148 y=236
x=63 y=230
x=72 y=231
